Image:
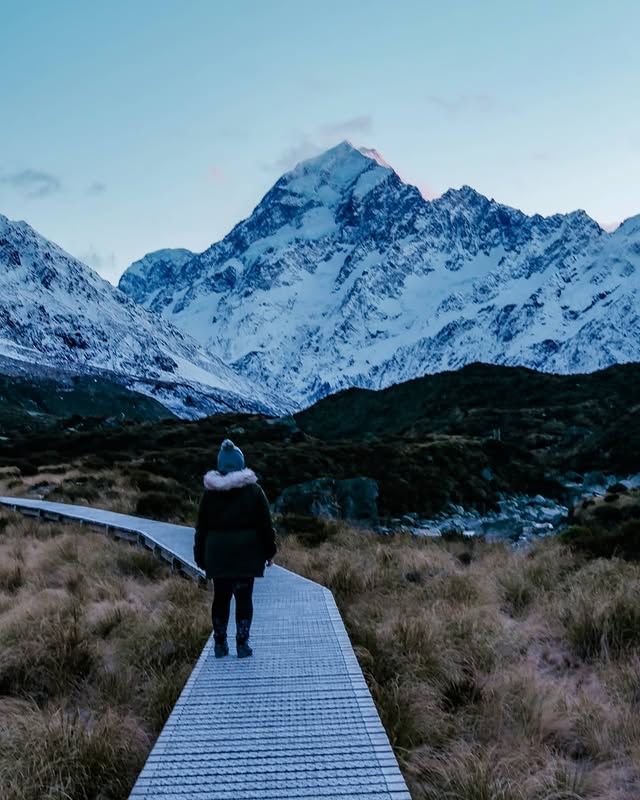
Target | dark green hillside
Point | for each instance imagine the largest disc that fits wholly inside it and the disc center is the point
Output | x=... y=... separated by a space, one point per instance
x=427 y=443
x=33 y=404
x=581 y=421
x=413 y=475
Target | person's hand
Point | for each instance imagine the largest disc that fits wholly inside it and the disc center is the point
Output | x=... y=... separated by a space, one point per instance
x=269 y=562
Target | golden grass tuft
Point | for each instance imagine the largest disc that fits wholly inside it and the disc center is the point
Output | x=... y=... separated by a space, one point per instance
x=96 y=641
x=54 y=753
x=499 y=674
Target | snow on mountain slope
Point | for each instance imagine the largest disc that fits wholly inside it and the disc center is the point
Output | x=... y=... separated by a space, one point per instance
x=56 y=312
x=345 y=275
x=161 y=268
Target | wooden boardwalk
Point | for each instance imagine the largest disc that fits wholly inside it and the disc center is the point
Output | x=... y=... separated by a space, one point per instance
x=294 y=721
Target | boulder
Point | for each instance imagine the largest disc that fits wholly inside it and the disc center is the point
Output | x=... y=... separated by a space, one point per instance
x=358 y=499
x=315 y=498
x=351 y=499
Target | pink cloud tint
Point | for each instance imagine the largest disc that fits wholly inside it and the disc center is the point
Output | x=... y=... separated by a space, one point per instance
x=215 y=174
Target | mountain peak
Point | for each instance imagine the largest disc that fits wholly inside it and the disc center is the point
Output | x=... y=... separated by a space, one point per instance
x=629 y=226
x=329 y=177
x=347 y=150
x=341 y=163
x=370 y=152
x=465 y=194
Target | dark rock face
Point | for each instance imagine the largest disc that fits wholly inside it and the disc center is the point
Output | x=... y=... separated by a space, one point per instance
x=352 y=498
x=315 y=499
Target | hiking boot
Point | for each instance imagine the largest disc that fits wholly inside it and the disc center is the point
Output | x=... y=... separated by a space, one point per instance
x=243 y=649
x=220 y=649
x=243 y=626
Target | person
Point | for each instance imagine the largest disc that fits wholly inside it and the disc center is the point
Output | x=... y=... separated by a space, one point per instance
x=234 y=538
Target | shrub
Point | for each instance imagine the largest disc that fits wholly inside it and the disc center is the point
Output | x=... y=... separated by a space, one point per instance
x=74 y=490
x=607 y=514
x=167 y=505
x=162 y=690
x=410 y=718
x=623 y=540
x=113 y=617
x=147 y=482
x=175 y=634
x=311 y=531
x=94 y=650
x=458 y=588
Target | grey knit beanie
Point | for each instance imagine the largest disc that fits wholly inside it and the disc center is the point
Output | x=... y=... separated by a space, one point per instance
x=230 y=458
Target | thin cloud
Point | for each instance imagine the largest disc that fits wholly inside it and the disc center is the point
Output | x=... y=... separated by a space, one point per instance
x=32 y=182
x=348 y=127
x=469 y=103
x=304 y=148
x=425 y=190
x=105 y=263
x=97 y=187
x=307 y=145
x=216 y=174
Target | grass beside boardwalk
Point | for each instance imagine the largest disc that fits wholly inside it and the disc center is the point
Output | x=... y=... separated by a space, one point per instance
x=96 y=641
x=498 y=675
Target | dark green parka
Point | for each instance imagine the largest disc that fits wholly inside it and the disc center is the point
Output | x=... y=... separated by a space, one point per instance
x=234 y=533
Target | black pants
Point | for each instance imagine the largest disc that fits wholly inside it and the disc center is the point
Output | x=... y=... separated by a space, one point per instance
x=223 y=590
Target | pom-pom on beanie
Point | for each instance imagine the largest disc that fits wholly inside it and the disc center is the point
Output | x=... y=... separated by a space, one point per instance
x=230 y=458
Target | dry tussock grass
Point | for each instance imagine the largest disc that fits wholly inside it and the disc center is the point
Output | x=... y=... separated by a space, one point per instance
x=499 y=675
x=72 y=483
x=96 y=641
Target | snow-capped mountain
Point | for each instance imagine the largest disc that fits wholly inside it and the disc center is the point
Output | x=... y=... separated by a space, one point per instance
x=160 y=268
x=345 y=275
x=57 y=312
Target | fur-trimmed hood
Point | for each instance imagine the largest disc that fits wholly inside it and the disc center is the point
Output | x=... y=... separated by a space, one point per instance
x=217 y=482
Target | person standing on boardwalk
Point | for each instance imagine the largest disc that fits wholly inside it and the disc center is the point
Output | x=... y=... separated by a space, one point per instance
x=234 y=539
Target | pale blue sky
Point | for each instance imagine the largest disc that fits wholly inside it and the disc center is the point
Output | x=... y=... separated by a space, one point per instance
x=131 y=126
